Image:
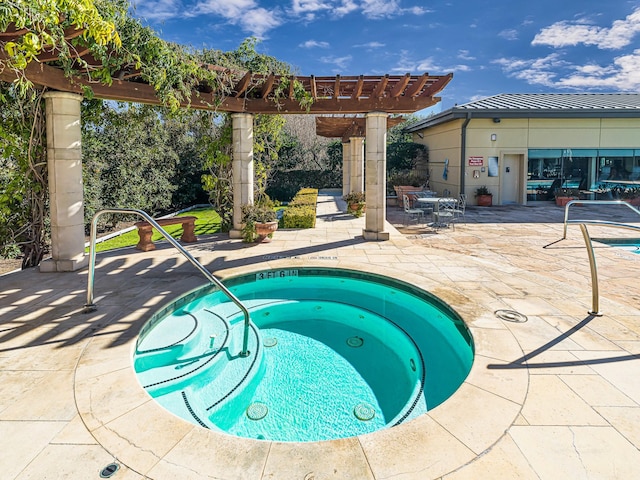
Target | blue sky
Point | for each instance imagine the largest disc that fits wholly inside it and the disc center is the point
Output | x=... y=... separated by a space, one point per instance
x=491 y=47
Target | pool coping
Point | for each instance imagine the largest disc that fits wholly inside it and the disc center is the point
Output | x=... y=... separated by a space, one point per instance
x=125 y=420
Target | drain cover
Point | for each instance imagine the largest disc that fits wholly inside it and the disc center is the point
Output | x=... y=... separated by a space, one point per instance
x=355 y=342
x=257 y=411
x=364 y=411
x=270 y=342
x=109 y=470
x=511 y=316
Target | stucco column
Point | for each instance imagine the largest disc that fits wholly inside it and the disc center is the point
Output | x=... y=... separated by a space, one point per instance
x=346 y=168
x=375 y=171
x=356 y=147
x=64 y=164
x=242 y=168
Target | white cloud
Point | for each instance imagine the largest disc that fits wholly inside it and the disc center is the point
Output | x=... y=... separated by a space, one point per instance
x=464 y=55
x=509 y=34
x=259 y=21
x=251 y=17
x=380 y=8
x=244 y=13
x=228 y=9
x=340 y=62
x=305 y=6
x=564 y=34
x=376 y=9
x=554 y=72
x=428 y=65
x=314 y=44
x=418 y=10
x=622 y=75
x=157 y=9
x=345 y=7
x=370 y=45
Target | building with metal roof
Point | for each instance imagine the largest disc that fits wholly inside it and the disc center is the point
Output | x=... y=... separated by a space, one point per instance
x=528 y=147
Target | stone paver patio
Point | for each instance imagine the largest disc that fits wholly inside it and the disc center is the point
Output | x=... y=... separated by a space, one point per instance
x=554 y=397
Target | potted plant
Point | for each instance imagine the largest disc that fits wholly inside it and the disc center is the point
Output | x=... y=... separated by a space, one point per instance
x=631 y=195
x=484 y=196
x=565 y=195
x=403 y=183
x=356 y=203
x=259 y=223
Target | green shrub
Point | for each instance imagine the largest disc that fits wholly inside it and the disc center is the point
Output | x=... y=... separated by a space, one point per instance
x=306 y=196
x=302 y=216
x=301 y=212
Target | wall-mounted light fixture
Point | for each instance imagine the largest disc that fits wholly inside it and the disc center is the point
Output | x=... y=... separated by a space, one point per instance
x=494 y=137
x=496 y=120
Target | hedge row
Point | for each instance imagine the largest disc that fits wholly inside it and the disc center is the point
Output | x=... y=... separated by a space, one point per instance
x=284 y=185
x=301 y=212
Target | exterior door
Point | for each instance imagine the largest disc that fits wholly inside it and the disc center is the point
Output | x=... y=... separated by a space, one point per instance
x=510 y=179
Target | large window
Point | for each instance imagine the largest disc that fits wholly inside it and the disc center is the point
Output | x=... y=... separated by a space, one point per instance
x=605 y=172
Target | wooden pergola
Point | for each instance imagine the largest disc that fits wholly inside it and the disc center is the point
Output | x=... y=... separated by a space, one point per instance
x=243 y=94
x=254 y=93
x=347 y=127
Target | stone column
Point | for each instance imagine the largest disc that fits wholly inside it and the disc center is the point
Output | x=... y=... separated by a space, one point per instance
x=242 y=168
x=356 y=183
x=375 y=169
x=64 y=163
x=346 y=168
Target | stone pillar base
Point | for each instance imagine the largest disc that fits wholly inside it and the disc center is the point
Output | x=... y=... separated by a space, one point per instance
x=235 y=233
x=371 y=235
x=51 y=265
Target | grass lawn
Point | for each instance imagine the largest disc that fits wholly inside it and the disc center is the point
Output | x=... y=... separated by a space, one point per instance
x=208 y=222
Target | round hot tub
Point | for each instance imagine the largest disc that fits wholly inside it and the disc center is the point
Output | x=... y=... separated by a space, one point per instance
x=332 y=353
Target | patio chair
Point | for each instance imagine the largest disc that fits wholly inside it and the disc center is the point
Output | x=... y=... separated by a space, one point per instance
x=462 y=205
x=416 y=213
x=445 y=213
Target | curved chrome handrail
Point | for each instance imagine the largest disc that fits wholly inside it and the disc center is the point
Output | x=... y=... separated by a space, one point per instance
x=592 y=222
x=90 y=306
x=595 y=302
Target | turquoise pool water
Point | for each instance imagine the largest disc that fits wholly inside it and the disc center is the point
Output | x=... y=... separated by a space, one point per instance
x=631 y=245
x=334 y=353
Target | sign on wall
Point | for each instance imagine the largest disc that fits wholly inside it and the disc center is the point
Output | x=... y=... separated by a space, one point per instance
x=476 y=161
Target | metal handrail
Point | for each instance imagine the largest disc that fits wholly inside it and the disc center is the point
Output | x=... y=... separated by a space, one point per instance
x=593 y=222
x=90 y=306
x=595 y=302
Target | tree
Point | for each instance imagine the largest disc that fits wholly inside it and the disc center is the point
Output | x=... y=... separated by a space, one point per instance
x=402 y=153
x=23 y=179
x=127 y=159
x=303 y=148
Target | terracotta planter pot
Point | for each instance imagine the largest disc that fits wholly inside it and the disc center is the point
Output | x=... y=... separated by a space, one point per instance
x=485 y=200
x=562 y=201
x=357 y=209
x=265 y=231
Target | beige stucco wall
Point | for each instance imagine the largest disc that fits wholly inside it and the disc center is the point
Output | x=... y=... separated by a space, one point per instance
x=515 y=137
x=443 y=142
